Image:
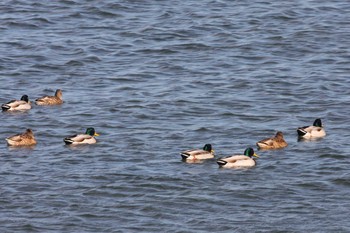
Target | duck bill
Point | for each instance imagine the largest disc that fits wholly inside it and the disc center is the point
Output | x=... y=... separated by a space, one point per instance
x=255 y=155
x=96 y=134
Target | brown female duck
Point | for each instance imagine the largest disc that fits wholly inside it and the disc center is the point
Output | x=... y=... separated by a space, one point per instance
x=276 y=142
x=50 y=100
x=25 y=139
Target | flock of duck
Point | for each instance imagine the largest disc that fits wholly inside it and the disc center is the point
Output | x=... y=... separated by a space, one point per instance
x=27 y=138
x=247 y=159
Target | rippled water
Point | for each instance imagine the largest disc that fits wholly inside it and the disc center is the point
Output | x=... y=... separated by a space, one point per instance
x=158 y=77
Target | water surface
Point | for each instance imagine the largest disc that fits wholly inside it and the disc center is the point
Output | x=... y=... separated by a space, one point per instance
x=155 y=78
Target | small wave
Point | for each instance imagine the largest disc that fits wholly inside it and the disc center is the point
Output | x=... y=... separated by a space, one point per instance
x=190 y=46
x=163 y=51
x=345 y=181
x=91 y=59
x=41 y=20
x=334 y=156
x=102 y=12
x=74 y=63
x=23 y=25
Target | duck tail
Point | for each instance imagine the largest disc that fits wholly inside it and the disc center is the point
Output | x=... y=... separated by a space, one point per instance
x=261 y=145
x=9 y=142
x=68 y=141
x=39 y=102
x=5 y=107
x=301 y=132
x=184 y=156
x=221 y=162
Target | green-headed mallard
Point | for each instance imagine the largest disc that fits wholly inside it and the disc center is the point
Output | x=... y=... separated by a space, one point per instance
x=275 y=142
x=25 y=139
x=50 y=100
x=236 y=161
x=17 y=105
x=198 y=154
x=314 y=131
x=87 y=138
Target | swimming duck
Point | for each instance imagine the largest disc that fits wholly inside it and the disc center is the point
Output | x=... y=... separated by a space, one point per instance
x=25 y=139
x=275 y=142
x=198 y=154
x=50 y=100
x=17 y=105
x=314 y=131
x=87 y=138
x=235 y=161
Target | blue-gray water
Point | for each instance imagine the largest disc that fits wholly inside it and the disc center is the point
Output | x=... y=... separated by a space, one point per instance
x=158 y=77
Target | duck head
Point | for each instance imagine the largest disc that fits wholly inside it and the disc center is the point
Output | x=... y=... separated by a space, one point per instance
x=318 y=123
x=58 y=93
x=25 y=98
x=91 y=131
x=250 y=152
x=29 y=132
x=208 y=147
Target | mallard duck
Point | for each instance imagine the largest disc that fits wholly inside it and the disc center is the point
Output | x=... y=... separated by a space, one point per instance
x=314 y=131
x=25 y=139
x=235 y=161
x=275 y=142
x=50 y=100
x=198 y=154
x=87 y=138
x=17 y=105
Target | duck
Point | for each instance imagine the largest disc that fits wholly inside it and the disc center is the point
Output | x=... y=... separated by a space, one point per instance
x=276 y=142
x=198 y=154
x=25 y=139
x=236 y=161
x=50 y=100
x=17 y=105
x=87 y=138
x=313 y=131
